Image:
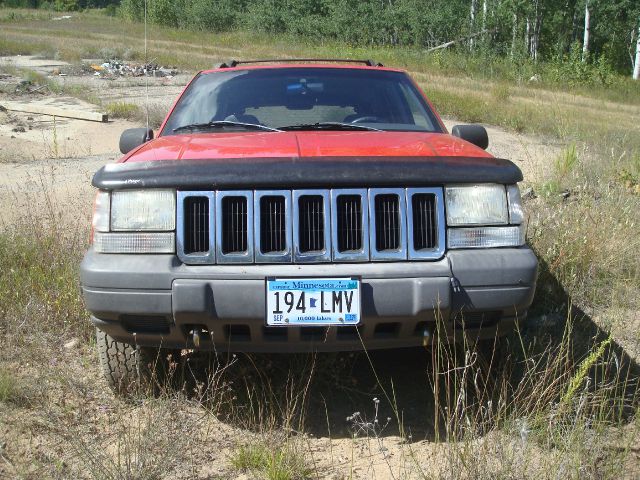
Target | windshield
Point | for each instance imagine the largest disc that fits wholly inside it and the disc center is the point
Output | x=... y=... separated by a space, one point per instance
x=302 y=99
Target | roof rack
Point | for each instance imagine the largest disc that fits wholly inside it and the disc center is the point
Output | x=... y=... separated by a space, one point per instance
x=235 y=63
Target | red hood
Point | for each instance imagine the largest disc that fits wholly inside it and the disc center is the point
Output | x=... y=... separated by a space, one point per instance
x=215 y=146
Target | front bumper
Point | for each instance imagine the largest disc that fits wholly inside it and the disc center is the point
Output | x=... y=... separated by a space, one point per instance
x=156 y=300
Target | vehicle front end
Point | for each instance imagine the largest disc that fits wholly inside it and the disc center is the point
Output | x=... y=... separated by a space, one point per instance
x=384 y=255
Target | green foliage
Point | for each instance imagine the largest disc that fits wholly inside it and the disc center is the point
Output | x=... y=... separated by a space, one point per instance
x=122 y=110
x=271 y=461
x=66 y=5
x=572 y=70
x=8 y=386
x=565 y=162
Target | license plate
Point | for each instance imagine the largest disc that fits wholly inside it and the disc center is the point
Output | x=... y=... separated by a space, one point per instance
x=313 y=301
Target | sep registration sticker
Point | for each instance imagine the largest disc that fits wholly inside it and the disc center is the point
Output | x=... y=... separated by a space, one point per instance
x=313 y=301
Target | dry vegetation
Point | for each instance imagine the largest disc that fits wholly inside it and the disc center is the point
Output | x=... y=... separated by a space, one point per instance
x=558 y=399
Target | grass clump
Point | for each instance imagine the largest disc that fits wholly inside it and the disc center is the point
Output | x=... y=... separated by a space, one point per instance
x=9 y=387
x=125 y=110
x=269 y=461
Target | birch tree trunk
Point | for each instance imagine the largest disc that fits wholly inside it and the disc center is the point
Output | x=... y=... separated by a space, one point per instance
x=484 y=19
x=472 y=20
x=636 y=65
x=536 y=31
x=587 y=27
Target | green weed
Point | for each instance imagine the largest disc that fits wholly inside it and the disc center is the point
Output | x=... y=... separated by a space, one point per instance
x=9 y=387
x=123 y=110
x=271 y=460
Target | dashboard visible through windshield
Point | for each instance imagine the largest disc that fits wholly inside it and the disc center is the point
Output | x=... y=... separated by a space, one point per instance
x=301 y=98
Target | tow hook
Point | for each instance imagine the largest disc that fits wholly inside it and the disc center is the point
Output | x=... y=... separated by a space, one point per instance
x=195 y=333
x=455 y=285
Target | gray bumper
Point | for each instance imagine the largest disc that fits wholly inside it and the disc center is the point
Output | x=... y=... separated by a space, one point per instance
x=156 y=300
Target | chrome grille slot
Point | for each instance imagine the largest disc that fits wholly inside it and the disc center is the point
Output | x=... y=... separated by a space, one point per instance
x=272 y=226
x=234 y=225
x=388 y=236
x=350 y=221
x=424 y=221
x=195 y=227
x=426 y=231
x=234 y=218
x=387 y=230
x=311 y=226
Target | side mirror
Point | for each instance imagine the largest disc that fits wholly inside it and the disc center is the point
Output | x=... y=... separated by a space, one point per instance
x=475 y=134
x=134 y=137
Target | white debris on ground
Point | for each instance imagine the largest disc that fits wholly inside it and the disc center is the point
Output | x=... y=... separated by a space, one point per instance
x=115 y=68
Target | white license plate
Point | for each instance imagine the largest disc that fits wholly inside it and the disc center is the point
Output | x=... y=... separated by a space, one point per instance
x=313 y=301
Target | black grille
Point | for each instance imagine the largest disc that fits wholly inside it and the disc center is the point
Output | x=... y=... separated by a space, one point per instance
x=272 y=224
x=311 y=223
x=196 y=225
x=234 y=225
x=424 y=221
x=349 y=223
x=387 y=222
x=145 y=323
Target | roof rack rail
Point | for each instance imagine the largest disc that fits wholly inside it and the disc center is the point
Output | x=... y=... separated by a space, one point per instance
x=235 y=63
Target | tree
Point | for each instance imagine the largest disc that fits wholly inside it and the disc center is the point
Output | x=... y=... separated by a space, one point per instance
x=636 y=67
x=587 y=31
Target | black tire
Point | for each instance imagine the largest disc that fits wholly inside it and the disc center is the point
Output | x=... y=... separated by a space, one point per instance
x=131 y=369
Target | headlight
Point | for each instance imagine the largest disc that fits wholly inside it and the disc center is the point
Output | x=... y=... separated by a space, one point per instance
x=143 y=210
x=493 y=216
x=476 y=205
x=135 y=221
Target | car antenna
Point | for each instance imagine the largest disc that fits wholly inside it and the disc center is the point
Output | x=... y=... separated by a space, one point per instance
x=146 y=73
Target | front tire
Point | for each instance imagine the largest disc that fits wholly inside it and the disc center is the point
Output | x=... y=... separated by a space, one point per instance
x=131 y=369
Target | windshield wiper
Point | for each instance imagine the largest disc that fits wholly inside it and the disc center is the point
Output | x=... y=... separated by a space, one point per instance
x=328 y=126
x=224 y=124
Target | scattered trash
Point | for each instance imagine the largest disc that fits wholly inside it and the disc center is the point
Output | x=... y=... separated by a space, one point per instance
x=63 y=17
x=117 y=68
